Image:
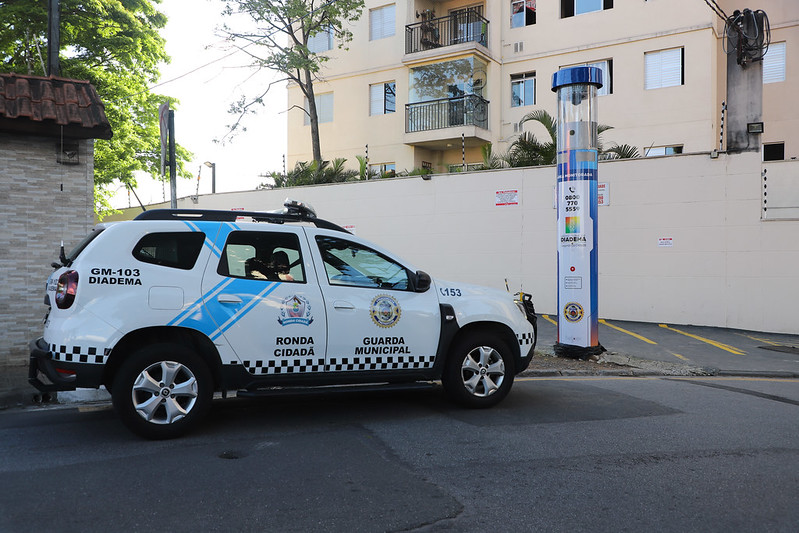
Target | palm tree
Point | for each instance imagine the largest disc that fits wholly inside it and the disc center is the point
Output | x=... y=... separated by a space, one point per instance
x=305 y=173
x=527 y=150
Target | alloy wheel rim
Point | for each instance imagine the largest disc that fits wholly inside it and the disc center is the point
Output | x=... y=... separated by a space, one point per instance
x=483 y=371
x=164 y=392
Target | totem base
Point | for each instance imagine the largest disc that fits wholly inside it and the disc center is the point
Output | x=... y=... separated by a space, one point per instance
x=577 y=352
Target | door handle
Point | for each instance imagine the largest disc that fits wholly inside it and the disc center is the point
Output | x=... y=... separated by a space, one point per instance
x=340 y=304
x=228 y=299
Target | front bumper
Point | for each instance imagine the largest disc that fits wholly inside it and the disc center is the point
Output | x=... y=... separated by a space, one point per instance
x=62 y=376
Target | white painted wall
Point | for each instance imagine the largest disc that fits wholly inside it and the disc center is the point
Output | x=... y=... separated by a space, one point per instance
x=727 y=267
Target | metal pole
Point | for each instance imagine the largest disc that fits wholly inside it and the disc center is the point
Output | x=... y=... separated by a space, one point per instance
x=53 y=38
x=213 y=178
x=463 y=151
x=173 y=171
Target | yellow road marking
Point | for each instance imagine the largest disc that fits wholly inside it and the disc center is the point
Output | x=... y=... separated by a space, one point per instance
x=678 y=356
x=617 y=328
x=92 y=408
x=546 y=317
x=758 y=339
x=719 y=345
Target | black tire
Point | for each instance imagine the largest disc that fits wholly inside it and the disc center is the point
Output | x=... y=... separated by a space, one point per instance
x=157 y=408
x=479 y=370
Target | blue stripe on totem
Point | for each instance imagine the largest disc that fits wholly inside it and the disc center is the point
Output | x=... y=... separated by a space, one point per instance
x=581 y=164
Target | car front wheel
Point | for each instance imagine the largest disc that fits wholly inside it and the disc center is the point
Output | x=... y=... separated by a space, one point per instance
x=479 y=371
x=162 y=391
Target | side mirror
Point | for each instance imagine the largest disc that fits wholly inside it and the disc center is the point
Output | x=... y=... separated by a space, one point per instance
x=422 y=281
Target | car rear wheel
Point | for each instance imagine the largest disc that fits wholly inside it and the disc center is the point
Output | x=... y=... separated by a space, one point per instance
x=162 y=391
x=479 y=370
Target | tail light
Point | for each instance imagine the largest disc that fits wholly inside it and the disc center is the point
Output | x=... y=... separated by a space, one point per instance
x=66 y=289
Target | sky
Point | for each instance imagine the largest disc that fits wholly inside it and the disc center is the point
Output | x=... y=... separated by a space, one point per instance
x=202 y=112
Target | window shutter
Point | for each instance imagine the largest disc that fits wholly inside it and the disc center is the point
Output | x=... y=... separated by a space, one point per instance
x=381 y=22
x=376 y=99
x=324 y=107
x=774 y=63
x=663 y=68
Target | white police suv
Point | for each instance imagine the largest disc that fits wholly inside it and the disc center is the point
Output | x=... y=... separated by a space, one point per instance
x=166 y=309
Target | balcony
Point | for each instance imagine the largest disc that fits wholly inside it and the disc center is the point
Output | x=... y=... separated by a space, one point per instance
x=460 y=28
x=427 y=123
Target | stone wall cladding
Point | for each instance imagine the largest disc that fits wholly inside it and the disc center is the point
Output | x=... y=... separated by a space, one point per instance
x=41 y=203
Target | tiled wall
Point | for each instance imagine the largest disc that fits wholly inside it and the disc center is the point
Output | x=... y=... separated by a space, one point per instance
x=42 y=202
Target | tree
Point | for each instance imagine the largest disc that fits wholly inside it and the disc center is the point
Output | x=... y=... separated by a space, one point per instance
x=282 y=31
x=527 y=150
x=312 y=173
x=116 y=46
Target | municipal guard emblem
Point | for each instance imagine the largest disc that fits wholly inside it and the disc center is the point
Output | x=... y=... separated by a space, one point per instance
x=295 y=310
x=573 y=312
x=385 y=311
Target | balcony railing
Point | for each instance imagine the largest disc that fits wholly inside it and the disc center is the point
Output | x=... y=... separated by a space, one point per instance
x=468 y=110
x=459 y=28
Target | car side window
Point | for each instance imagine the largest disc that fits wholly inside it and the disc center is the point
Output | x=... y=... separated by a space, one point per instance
x=262 y=255
x=170 y=249
x=354 y=265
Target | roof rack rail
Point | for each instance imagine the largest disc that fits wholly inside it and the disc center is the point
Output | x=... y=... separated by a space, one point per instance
x=293 y=212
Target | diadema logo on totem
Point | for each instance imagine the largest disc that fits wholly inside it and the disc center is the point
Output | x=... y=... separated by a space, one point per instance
x=385 y=311
x=295 y=310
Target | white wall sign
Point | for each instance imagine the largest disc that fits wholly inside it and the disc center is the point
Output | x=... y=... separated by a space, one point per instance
x=603 y=194
x=509 y=197
x=665 y=242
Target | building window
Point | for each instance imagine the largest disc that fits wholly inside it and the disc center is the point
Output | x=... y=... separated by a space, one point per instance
x=774 y=63
x=774 y=152
x=470 y=167
x=324 y=108
x=383 y=170
x=606 y=67
x=569 y=8
x=522 y=13
x=522 y=89
x=664 y=68
x=382 y=98
x=321 y=42
x=381 y=22
x=653 y=151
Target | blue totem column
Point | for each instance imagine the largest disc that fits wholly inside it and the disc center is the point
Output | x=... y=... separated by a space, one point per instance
x=578 y=301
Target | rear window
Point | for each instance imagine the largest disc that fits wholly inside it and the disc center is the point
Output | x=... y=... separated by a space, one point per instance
x=96 y=231
x=174 y=250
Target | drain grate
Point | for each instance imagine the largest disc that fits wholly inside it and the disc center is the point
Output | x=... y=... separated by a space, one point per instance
x=784 y=349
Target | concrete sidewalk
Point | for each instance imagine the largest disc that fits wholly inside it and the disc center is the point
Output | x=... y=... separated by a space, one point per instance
x=16 y=392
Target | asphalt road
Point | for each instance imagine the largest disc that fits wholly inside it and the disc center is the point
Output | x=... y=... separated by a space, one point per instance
x=730 y=350
x=560 y=454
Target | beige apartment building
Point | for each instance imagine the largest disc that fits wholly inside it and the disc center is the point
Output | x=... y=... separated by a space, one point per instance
x=427 y=83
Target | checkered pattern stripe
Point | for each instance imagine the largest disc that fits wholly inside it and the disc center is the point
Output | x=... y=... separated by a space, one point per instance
x=79 y=354
x=525 y=338
x=343 y=364
x=285 y=366
x=390 y=362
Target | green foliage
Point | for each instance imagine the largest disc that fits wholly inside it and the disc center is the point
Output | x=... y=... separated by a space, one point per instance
x=314 y=173
x=115 y=45
x=279 y=42
x=621 y=151
x=363 y=168
x=527 y=150
x=491 y=160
